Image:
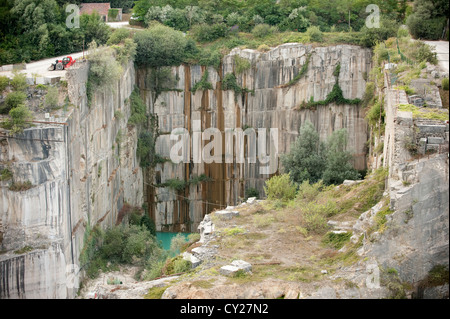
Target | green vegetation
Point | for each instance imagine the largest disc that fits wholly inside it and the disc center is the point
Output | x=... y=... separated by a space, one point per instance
x=229 y=83
x=180 y=185
x=13 y=100
x=425 y=113
x=4 y=82
x=5 y=174
x=428 y=19
x=241 y=64
x=104 y=70
x=203 y=84
x=300 y=74
x=336 y=240
x=19 y=82
x=51 y=98
x=23 y=250
x=155 y=292
x=138 y=109
x=263 y=30
x=391 y=280
x=20 y=186
x=161 y=46
x=280 y=187
x=35 y=29
x=251 y=192
x=20 y=118
x=438 y=275
x=445 y=84
x=312 y=160
x=335 y=96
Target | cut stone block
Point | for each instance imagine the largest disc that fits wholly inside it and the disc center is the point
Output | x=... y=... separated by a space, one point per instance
x=226 y=214
x=194 y=260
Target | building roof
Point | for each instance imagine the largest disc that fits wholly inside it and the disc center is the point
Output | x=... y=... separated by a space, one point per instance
x=101 y=8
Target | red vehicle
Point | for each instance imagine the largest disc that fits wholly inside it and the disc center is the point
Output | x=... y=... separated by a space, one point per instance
x=62 y=64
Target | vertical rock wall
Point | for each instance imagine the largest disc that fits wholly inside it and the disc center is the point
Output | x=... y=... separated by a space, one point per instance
x=82 y=172
x=267 y=103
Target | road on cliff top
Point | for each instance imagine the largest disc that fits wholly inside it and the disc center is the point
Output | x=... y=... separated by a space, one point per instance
x=442 y=50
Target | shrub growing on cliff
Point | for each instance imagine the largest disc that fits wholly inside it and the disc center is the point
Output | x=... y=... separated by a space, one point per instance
x=4 y=82
x=12 y=100
x=104 y=70
x=160 y=46
x=20 y=116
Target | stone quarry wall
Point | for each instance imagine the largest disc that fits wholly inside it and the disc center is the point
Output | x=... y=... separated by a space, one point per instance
x=81 y=175
x=266 y=104
x=417 y=235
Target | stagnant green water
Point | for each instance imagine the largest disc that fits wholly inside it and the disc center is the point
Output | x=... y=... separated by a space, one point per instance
x=166 y=238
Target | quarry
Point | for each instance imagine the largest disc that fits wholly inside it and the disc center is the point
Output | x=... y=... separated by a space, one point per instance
x=76 y=169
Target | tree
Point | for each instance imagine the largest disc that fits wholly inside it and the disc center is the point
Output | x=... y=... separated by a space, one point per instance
x=428 y=19
x=388 y=28
x=306 y=159
x=160 y=46
x=338 y=167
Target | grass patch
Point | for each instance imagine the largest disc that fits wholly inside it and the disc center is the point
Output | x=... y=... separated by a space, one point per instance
x=23 y=250
x=336 y=240
x=20 y=186
x=5 y=175
x=205 y=284
x=380 y=218
x=425 y=113
x=233 y=231
x=155 y=292
x=262 y=221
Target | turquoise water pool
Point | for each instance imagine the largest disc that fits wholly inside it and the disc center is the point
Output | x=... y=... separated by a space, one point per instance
x=166 y=238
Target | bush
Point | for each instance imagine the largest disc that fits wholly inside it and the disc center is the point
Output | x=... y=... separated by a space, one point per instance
x=229 y=83
x=4 y=82
x=14 y=99
x=19 y=82
x=138 y=109
x=314 y=33
x=51 y=98
x=337 y=241
x=241 y=64
x=445 y=84
x=208 y=33
x=314 y=221
x=280 y=187
x=338 y=167
x=263 y=48
x=306 y=159
x=19 y=118
x=263 y=30
x=160 y=46
x=309 y=192
x=203 y=84
x=423 y=28
x=371 y=36
x=104 y=70
x=118 y=36
x=251 y=192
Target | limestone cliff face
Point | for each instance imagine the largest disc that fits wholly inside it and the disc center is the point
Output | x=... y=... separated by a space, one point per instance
x=81 y=173
x=267 y=103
